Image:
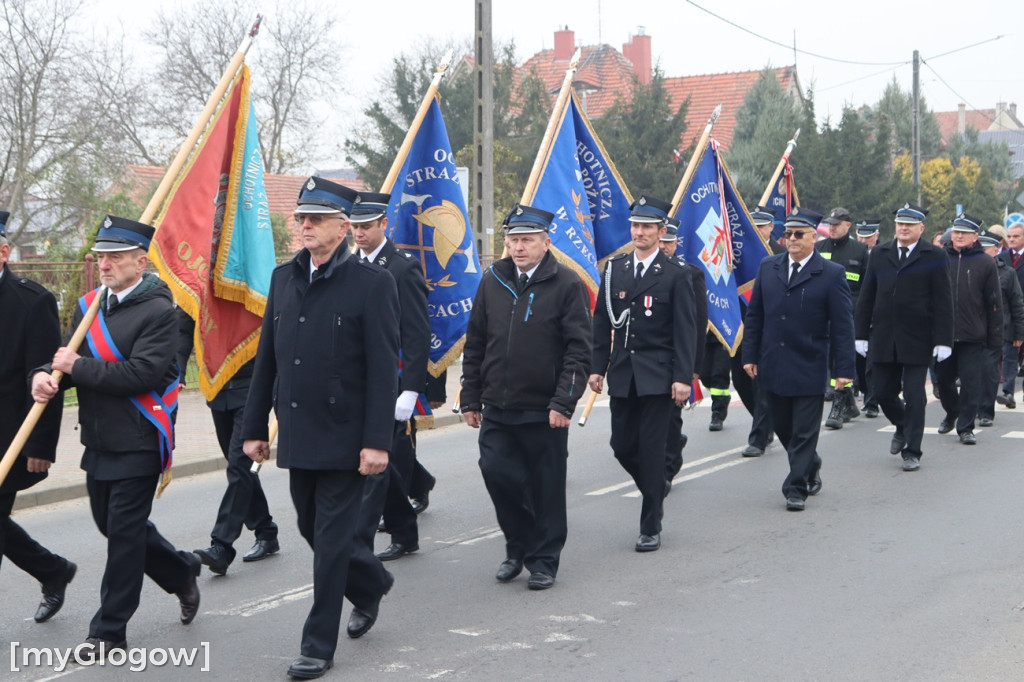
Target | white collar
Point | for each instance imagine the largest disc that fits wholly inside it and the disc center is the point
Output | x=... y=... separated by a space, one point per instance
x=372 y=256
x=646 y=261
x=123 y=294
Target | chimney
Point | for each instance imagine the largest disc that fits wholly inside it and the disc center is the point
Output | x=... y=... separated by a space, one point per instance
x=1013 y=109
x=961 y=118
x=638 y=51
x=565 y=44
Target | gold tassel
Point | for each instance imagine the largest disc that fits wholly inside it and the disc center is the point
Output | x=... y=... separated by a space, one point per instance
x=165 y=480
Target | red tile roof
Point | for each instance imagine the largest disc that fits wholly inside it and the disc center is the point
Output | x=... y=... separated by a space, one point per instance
x=949 y=121
x=282 y=190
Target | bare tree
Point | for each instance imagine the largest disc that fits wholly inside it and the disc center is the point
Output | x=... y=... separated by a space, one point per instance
x=295 y=57
x=56 y=154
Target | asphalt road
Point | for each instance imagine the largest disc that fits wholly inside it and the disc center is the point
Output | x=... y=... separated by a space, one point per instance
x=887 y=575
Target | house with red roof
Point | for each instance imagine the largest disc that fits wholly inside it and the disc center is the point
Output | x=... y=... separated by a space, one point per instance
x=604 y=73
x=951 y=123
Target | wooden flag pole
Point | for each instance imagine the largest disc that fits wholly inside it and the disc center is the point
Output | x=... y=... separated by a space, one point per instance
x=271 y=437
x=587 y=408
x=778 y=169
x=147 y=217
x=691 y=167
x=428 y=97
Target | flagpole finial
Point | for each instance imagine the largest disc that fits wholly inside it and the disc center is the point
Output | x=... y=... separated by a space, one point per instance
x=446 y=60
x=577 y=55
x=256 y=26
x=715 y=114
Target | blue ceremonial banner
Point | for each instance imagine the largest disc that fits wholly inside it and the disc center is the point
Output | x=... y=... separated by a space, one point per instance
x=748 y=246
x=607 y=196
x=782 y=199
x=427 y=217
x=705 y=240
x=580 y=186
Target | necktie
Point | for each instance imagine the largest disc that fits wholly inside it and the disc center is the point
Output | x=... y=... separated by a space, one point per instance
x=523 y=279
x=315 y=276
x=1016 y=257
x=792 y=275
x=111 y=302
x=903 y=255
x=639 y=270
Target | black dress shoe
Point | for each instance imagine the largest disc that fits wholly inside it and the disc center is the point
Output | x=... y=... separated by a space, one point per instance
x=911 y=463
x=985 y=421
x=1003 y=398
x=420 y=504
x=648 y=543
x=361 y=620
x=751 y=451
x=967 y=438
x=870 y=412
x=95 y=648
x=53 y=593
x=508 y=570
x=396 y=550
x=946 y=425
x=188 y=596
x=540 y=581
x=309 y=668
x=896 y=445
x=215 y=557
x=815 y=487
x=794 y=504
x=262 y=549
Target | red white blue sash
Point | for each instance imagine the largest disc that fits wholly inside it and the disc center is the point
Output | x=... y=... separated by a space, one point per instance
x=155 y=407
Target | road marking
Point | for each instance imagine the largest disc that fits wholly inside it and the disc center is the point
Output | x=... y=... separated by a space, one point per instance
x=1013 y=434
x=439 y=673
x=251 y=608
x=470 y=633
x=930 y=430
x=688 y=465
x=473 y=536
x=702 y=472
x=562 y=637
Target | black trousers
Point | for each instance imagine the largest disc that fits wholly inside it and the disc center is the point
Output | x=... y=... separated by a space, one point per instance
x=639 y=429
x=327 y=508
x=386 y=493
x=244 y=501
x=968 y=363
x=993 y=381
x=755 y=400
x=797 y=421
x=524 y=468
x=422 y=481
x=865 y=381
x=715 y=375
x=907 y=415
x=22 y=550
x=134 y=548
x=674 y=444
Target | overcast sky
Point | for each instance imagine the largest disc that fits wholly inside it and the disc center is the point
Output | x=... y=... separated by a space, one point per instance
x=848 y=51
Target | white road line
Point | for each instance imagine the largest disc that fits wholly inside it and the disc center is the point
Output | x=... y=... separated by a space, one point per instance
x=251 y=608
x=1013 y=434
x=929 y=430
x=470 y=537
x=688 y=465
x=702 y=472
x=470 y=633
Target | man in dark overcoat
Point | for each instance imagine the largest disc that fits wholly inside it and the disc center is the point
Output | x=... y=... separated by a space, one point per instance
x=31 y=335
x=800 y=311
x=647 y=299
x=126 y=376
x=328 y=364
x=904 y=319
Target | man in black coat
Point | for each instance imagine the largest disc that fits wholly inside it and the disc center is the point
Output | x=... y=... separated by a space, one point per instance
x=1014 y=257
x=842 y=249
x=127 y=380
x=328 y=364
x=524 y=369
x=977 y=329
x=800 y=317
x=647 y=299
x=867 y=234
x=676 y=438
x=31 y=335
x=244 y=503
x=1013 y=327
x=904 y=319
x=387 y=494
x=753 y=397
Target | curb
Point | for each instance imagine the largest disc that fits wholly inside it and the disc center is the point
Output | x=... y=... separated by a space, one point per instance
x=204 y=465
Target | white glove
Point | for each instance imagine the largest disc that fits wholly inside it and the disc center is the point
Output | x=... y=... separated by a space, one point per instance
x=942 y=353
x=404 y=406
x=862 y=347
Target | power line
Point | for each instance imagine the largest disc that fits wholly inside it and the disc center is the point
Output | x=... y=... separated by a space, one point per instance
x=795 y=49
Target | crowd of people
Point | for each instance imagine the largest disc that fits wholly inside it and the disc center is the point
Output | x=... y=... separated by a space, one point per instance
x=827 y=319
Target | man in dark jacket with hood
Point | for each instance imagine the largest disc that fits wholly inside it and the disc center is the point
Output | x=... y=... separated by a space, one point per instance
x=977 y=328
x=524 y=369
x=127 y=380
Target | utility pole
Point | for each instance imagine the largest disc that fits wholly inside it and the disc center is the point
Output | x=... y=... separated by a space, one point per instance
x=483 y=132
x=915 y=130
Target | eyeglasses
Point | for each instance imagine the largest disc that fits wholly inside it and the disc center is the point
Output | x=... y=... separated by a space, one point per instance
x=795 y=234
x=314 y=218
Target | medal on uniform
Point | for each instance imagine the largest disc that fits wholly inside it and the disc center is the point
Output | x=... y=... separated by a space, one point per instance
x=648 y=302
x=622 y=295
